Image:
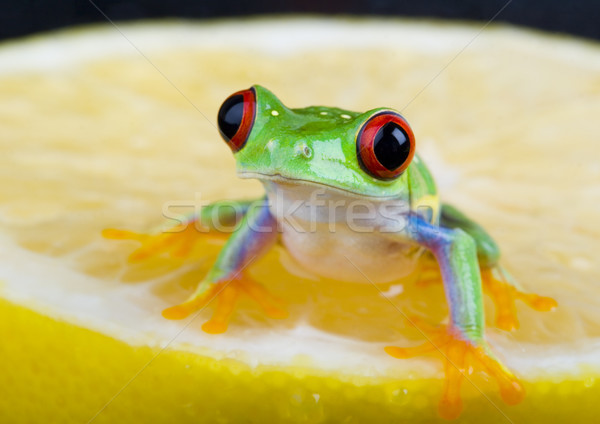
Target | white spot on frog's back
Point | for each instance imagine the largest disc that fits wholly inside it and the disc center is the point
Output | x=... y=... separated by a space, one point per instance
x=345 y=116
x=270 y=145
x=274 y=113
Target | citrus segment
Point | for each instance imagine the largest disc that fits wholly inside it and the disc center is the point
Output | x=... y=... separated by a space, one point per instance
x=96 y=138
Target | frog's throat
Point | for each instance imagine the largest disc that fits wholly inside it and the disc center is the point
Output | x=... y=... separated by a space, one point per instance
x=278 y=178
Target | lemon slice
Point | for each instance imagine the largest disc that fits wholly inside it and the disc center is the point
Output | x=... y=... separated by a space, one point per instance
x=103 y=128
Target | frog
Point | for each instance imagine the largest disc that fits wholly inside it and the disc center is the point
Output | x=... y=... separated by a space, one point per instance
x=348 y=198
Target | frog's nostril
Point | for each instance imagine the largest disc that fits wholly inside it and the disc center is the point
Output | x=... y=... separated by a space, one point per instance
x=305 y=151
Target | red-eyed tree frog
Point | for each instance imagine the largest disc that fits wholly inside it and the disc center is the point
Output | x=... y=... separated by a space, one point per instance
x=349 y=200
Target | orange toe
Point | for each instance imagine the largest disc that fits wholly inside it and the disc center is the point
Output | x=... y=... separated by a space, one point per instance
x=450 y=406
x=511 y=389
x=505 y=295
x=411 y=352
x=226 y=295
x=178 y=312
x=272 y=306
x=539 y=303
x=177 y=242
x=214 y=327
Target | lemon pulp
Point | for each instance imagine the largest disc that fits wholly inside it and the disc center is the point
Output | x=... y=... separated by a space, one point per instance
x=98 y=138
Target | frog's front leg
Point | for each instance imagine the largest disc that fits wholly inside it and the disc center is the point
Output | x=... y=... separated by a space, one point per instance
x=213 y=222
x=462 y=342
x=227 y=279
x=497 y=282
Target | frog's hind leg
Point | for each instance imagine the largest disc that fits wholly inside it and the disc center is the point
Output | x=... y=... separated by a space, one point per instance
x=497 y=282
x=215 y=221
x=488 y=252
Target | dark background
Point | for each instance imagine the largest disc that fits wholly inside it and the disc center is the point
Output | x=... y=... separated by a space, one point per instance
x=22 y=17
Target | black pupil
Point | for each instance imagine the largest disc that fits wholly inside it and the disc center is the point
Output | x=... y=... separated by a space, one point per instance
x=391 y=146
x=230 y=116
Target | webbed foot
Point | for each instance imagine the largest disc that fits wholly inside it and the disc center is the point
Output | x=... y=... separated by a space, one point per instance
x=499 y=285
x=227 y=294
x=504 y=292
x=461 y=356
x=177 y=242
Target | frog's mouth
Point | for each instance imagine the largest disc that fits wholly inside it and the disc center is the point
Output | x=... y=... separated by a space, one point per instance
x=284 y=180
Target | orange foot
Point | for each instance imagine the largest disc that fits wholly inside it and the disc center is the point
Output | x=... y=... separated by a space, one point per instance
x=178 y=242
x=461 y=356
x=497 y=283
x=227 y=294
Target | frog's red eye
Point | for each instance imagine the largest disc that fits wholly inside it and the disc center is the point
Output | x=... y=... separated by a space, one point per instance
x=236 y=117
x=385 y=146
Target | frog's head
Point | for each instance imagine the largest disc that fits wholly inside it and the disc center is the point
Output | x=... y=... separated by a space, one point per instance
x=360 y=153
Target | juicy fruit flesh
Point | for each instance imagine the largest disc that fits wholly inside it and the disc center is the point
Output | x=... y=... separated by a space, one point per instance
x=179 y=385
x=95 y=157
